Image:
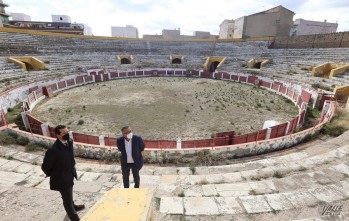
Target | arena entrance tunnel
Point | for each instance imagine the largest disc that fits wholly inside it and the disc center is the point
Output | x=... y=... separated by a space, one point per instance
x=212 y=63
x=329 y=70
x=28 y=63
x=176 y=59
x=257 y=63
x=214 y=66
x=125 y=59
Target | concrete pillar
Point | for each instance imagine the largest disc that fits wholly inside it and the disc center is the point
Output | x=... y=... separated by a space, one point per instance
x=93 y=78
x=271 y=85
x=101 y=140
x=298 y=97
x=179 y=144
x=299 y=120
x=268 y=134
x=304 y=106
x=45 y=130
x=36 y=98
x=29 y=102
x=109 y=75
x=25 y=119
x=315 y=100
x=74 y=81
x=293 y=95
x=66 y=85
x=287 y=128
x=324 y=111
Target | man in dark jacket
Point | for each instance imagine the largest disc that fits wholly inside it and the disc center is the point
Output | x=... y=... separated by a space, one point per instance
x=131 y=147
x=59 y=165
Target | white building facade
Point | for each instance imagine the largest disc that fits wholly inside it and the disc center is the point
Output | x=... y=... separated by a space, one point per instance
x=61 y=18
x=124 y=32
x=226 y=29
x=20 y=17
x=306 y=27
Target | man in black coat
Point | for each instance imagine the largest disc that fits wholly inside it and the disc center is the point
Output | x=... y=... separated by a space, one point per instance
x=131 y=147
x=59 y=165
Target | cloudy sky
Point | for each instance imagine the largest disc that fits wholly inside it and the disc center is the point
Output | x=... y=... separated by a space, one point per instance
x=151 y=16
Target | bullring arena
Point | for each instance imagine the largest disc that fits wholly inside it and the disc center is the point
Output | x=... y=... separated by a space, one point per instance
x=200 y=105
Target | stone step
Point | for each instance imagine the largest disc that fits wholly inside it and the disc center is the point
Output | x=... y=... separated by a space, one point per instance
x=92 y=183
x=298 y=162
x=25 y=203
x=236 y=185
x=254 y=204
x=333 y=214
x=224 y=184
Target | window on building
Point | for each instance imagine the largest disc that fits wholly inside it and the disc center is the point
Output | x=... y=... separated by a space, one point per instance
x=4 y=19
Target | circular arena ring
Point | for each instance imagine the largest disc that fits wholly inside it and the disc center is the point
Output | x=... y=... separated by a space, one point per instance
x=225 y=143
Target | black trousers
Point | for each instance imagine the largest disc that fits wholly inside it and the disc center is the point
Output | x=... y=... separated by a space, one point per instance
x=68 y=203
x=126 y=174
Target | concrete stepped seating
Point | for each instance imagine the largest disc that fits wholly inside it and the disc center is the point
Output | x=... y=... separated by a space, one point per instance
x=293 y=200
x=74 y=54
x=196 y=205
x=242 y=173
x=7 y=66
x=51 y=44
x=316 y=175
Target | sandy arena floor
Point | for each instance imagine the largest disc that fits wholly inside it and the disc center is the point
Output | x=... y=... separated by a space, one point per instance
x=165 y=108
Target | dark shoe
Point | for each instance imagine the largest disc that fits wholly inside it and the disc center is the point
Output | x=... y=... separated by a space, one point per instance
x=79 y=207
